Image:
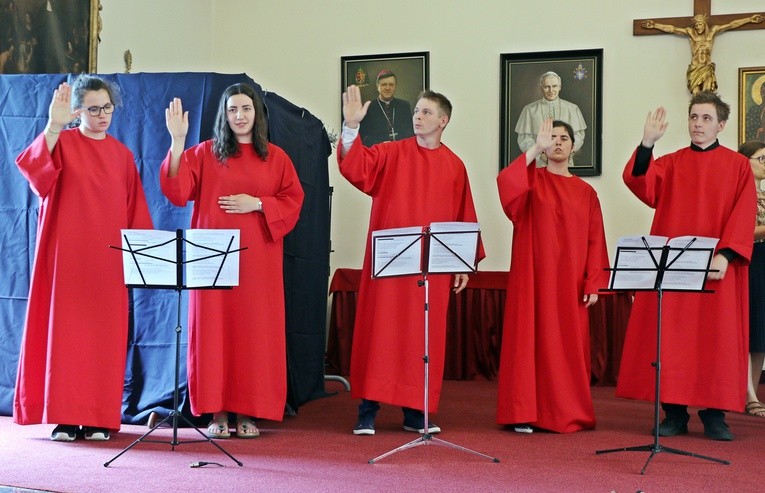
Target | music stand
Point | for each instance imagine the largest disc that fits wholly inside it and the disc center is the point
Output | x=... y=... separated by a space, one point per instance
x=635 y=266
x=452 y=249
x=138 y=254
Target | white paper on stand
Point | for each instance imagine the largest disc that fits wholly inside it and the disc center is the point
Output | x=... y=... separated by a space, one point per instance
x=453 y=247
x=397 y=251
x=205 y=252
x=638 y=260
x=209 y=259
x=688 y=252
x=154 y=252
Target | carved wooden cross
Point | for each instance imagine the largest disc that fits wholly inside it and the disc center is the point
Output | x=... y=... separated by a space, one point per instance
x=699 y=7
x=701 y=30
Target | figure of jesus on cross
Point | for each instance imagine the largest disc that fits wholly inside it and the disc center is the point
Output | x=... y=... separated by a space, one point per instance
x=701 y=70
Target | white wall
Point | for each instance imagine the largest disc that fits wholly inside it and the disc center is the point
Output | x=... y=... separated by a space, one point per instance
x=293 y=47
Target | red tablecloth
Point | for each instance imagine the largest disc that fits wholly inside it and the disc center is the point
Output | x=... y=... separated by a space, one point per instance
x=474 y=328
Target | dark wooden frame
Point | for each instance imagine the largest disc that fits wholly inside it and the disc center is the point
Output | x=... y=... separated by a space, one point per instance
x=581 y=73
x=412 y=74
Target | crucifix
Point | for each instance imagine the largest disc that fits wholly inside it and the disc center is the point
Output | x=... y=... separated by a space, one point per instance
x=700 y=30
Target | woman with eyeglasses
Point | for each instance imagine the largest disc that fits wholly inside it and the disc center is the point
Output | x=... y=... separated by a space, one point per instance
x=755 y=151
x=72 y=362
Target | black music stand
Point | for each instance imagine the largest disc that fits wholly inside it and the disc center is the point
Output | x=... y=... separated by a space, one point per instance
x=148 y=252
x=661 y=268
x=443 y=258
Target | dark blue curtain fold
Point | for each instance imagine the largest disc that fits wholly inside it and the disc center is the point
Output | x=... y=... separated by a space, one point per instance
x=139 y=123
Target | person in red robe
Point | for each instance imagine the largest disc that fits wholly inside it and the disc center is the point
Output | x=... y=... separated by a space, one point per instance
x=238 y=180
x=706 y=190
x=412 y=182
x=72 y=361
x=559 y=261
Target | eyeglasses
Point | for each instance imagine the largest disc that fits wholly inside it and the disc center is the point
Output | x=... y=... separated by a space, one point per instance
x=760 y=159
x=108 y=109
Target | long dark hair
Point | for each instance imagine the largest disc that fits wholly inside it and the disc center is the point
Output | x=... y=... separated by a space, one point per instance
x=225 y=144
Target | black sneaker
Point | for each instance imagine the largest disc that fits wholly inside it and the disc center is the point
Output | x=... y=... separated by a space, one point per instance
x=715 y=426
x=365 y=425
x=64 y=433
x=670 y=427
x=415 y=421
x=96 y=434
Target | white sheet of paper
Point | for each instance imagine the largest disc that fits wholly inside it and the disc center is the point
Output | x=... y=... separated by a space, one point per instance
x=156 y=263
x=214 y=268
x=688 y=259
x=633 y=254
x=461 y=238
x=397 y=251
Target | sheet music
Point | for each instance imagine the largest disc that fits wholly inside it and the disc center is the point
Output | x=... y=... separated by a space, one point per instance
x=638 y=258
x=461 y=238
x=157 y=264
x=632 y=252
x=397 y=251
x=204 y=254
x=683 y=256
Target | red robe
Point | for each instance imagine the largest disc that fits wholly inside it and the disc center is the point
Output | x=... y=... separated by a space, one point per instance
x=704 y=336
x=559 y=255
x=237 y=350
x=410 y=186
x=72 y=361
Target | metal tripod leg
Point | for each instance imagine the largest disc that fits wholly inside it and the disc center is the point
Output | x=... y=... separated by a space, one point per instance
x=426 y=437
x=174 y=415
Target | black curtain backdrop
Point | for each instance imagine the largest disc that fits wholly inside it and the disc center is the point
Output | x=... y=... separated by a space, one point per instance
x=139 y=124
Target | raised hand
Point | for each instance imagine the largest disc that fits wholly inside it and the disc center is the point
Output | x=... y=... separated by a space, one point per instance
x=543 y=143
x=177 y=120
x=353 y=109
x=60 y=113
x=655 y=126
x=545 y=140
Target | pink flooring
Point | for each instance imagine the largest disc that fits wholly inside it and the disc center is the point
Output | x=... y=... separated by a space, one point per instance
x=316 y=452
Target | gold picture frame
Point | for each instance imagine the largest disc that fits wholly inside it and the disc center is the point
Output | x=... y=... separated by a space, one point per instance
x=751 y=104
x=49 y=36
x=94 y=35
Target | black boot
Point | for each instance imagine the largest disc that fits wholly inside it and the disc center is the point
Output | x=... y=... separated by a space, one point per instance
x=675 y=420
x=715 y=426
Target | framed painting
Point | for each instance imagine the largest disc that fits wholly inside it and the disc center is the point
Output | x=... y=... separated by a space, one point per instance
x=392 y=82
x=751 y=104
x=562 y=85
x=49 y=36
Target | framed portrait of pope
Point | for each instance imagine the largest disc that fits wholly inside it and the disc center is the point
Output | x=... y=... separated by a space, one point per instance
x=561 y=85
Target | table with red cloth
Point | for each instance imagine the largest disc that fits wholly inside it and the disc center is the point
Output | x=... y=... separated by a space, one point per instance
x=474 y=328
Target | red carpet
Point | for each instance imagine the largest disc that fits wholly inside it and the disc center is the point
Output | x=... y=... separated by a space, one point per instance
x=315 y=451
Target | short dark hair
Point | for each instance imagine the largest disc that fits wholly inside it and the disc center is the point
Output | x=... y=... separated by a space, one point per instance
x=85 y=83
x=709 y=97
x=444 y=106
x=749 y=147
x=569 y=130
x=225 y=144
